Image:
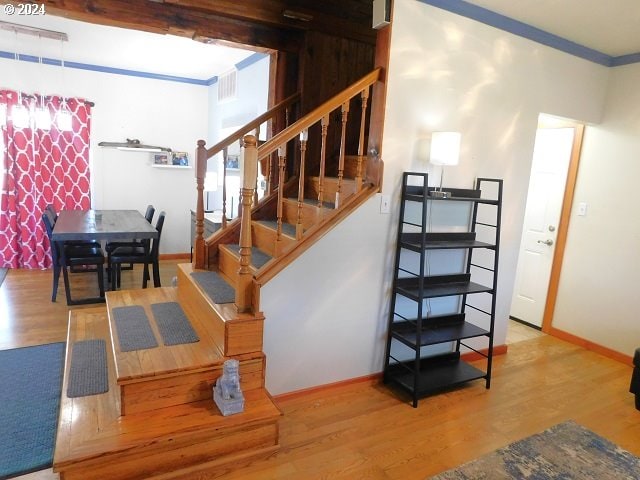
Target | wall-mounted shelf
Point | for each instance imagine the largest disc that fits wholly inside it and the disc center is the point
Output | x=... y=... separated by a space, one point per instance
x=171 y=166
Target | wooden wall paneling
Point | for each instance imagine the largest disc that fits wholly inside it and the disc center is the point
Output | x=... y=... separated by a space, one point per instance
x=338 y=62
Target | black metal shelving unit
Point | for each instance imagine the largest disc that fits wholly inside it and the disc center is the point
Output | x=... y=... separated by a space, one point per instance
x=425 y=372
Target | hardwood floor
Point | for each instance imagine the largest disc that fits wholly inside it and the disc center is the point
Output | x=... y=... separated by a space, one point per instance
x=517 y=332
x=365 y=430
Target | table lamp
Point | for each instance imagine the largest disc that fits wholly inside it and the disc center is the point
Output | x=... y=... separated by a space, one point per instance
x=445 y=151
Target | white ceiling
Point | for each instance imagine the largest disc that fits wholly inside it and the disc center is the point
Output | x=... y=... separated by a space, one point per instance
x=121 y=48
x=608 y=26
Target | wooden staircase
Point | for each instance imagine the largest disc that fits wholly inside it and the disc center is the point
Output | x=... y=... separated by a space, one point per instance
x=158 y=419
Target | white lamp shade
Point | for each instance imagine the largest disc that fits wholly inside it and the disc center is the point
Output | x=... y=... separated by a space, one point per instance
x=445 y=148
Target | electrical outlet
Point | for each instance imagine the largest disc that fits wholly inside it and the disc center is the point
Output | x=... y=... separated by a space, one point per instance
x=385 y=204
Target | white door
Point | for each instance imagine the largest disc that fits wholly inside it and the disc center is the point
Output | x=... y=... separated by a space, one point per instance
x=551 y=155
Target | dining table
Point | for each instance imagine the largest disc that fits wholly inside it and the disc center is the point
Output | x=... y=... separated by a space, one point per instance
x=100 y=225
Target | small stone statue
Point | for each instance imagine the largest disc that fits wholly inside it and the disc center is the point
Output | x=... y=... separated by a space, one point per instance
x=226 y=392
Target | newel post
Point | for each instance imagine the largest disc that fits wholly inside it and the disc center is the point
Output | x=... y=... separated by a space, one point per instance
x=201 y=171
x=248 y=175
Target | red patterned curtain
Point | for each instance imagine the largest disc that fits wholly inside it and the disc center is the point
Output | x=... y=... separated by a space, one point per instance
x=45 y=157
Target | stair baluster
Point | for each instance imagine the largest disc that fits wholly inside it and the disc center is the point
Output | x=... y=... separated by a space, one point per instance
x=304 y=135
x=255 y=192
x=343 y=146
x=363 y=120
x=201 y=171
x=323 y=156
x=225 y=151
x=248 y=174
x=282 y=163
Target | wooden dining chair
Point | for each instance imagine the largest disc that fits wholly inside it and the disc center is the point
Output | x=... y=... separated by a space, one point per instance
x=145 y=254
x=67 y=256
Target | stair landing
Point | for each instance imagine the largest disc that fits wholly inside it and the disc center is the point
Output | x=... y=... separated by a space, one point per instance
x=95 y=442
x=171 y=375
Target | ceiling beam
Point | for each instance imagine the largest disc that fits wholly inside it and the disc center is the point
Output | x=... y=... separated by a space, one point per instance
x=255 y=23
x=165 y=18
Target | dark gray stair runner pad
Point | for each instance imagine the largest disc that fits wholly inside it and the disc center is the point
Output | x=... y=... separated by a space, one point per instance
x=134 y=330
x=173 y=324
x=287 y=228
x=88 y=374
x=214 y=285
x=258 y=257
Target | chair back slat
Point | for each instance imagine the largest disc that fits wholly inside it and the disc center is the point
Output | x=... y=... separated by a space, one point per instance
x=155 y=249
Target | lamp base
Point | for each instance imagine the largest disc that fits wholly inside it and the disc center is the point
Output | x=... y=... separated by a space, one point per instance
x=439 y=194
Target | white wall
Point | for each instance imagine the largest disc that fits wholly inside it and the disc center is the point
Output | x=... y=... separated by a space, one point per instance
x=446 y=73
x=229 y=115
x=156 y=112
x=599 y=282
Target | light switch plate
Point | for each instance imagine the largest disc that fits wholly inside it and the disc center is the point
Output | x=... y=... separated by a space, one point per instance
x=582 y=209
x=385 y=204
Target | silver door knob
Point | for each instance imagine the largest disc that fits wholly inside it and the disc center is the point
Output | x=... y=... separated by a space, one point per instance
x=546 y=242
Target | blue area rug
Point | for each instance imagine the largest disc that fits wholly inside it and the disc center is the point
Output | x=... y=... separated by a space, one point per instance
x=30 y=385
x=566 y=451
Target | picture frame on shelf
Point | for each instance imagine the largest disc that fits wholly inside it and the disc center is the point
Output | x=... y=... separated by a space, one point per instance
x=181 y=159
x=161 y=158
x=232 y=162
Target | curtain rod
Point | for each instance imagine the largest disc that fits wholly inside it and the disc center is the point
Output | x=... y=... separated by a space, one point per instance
x=35 y=96
x=36 y=32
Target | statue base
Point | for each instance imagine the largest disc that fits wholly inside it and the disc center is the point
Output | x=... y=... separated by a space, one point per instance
x=228 y=406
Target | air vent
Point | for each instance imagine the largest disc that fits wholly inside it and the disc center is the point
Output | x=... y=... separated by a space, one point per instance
x=227 y=86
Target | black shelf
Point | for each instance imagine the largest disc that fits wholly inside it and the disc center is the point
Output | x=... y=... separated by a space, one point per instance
x=436 y=374
x=440 y=329
x=426 y=374
x=415 y=193
x=439 y=286
x=445 y=240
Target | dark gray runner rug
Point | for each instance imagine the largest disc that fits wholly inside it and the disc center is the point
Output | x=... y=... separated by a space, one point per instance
x=88 y=374
x=213 y=284
x=3 y=273
x=134 y=331
x=174 y=325
x=287 y=228
x=258 y=257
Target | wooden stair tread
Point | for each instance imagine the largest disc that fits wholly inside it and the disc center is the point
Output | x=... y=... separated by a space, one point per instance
x=258 y=257
x=328 y=179
x=235 y=333
x=287 y=228
x=162 y=360
x=93 y=438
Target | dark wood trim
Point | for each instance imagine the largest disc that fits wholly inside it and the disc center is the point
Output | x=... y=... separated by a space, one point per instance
x=174 y=256
x=473 y=356
x=589 y=345
x=374 y=378
x=375 y=165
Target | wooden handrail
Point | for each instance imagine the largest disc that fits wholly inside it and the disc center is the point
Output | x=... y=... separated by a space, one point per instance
x=252 y=125
x=312 y=117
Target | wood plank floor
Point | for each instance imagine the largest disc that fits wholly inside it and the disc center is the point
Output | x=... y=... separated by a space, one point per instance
x=365 y=430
